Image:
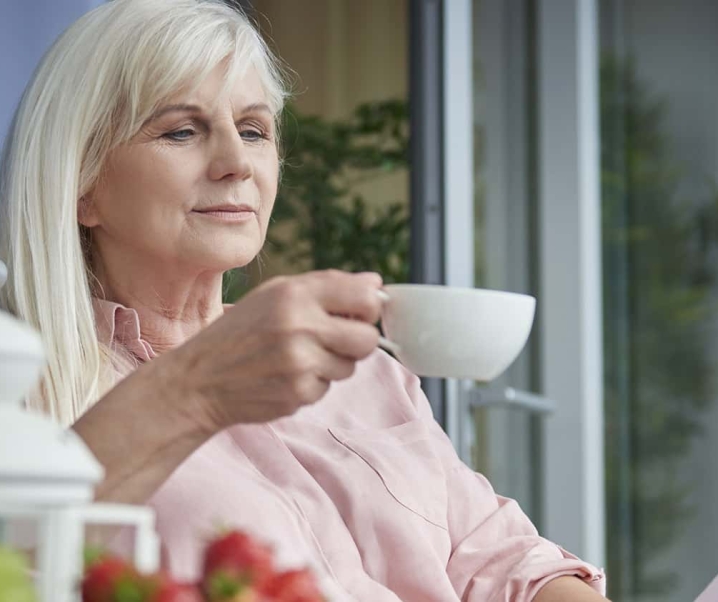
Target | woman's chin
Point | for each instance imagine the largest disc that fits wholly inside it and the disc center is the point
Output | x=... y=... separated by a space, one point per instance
x=234 y=262
x=218 y=258
x=223 y=257
x=213 y=264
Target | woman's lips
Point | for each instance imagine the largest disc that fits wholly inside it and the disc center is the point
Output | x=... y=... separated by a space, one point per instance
x=228 y=214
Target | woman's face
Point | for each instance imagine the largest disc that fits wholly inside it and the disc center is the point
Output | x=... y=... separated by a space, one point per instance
x=193 y=191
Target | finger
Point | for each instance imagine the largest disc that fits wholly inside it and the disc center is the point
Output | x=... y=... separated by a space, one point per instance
x=348 y=338
x=311 y=389
x=347 y=294
x=335 y=367
x=308 y=360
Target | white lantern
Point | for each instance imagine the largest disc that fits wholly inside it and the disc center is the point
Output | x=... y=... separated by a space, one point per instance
x=47 y=475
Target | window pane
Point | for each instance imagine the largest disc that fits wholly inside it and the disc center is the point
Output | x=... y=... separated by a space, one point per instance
x=659 y=165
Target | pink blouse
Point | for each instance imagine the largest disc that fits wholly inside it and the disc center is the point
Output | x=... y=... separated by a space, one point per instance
x=363 y=486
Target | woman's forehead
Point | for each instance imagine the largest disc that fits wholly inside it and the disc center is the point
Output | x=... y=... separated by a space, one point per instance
x=216 y=91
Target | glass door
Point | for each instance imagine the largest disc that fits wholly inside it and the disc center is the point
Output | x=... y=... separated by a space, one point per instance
x=659 y=158
x=537 y=431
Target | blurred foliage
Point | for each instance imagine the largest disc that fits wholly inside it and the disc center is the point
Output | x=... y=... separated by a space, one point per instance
x=660 y=275
x=15 y=577
x=333 y=226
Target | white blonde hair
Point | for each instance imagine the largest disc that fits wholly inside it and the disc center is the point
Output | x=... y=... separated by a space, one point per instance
x=100 y=81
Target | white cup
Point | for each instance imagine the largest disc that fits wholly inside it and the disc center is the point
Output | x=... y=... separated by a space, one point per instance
x=452 y=332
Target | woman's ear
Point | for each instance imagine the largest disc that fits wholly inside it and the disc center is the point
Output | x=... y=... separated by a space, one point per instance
x=86 y=212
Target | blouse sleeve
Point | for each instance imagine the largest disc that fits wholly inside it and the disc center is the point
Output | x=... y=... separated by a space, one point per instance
x=497 y=554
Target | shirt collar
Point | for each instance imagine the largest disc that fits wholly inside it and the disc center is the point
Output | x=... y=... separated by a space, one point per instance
x=120 y=325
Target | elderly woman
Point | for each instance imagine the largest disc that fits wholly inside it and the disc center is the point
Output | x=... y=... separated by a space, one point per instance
x=143 y=164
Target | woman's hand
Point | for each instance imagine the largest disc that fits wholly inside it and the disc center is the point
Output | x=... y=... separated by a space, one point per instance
x=280 y=347
x=567 y=589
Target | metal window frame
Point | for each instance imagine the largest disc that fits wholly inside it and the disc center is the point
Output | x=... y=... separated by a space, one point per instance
x=441 y=180
x=426 y=156
x=458 y=123
x=570 y=283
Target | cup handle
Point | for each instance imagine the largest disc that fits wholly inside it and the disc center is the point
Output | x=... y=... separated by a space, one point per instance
x=389 y=345
x=383 y=295
x=385 y=343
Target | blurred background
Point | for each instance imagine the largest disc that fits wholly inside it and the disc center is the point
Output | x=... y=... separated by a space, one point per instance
x=563 y=148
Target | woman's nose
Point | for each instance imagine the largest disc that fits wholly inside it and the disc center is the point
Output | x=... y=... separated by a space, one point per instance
x=230 y=158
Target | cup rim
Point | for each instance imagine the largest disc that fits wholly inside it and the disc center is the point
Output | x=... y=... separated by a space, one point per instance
x=466 y=289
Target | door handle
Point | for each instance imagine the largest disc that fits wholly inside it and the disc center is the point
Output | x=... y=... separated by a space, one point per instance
x=508 y=397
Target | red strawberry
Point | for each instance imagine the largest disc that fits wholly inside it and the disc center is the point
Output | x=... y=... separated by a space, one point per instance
x=234 y=563
x=103 y=578
x=297 y=585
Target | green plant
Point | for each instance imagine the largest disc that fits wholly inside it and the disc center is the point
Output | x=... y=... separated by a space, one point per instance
x=333 y=225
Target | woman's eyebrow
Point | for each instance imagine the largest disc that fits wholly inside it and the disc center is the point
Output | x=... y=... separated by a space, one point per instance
x=188 y=108
x=172 y=108
x=256 y=106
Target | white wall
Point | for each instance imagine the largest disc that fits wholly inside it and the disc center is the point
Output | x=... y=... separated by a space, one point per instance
x=27 y=28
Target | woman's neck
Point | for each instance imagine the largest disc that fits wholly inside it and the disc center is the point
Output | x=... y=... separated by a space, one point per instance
x=171 y=308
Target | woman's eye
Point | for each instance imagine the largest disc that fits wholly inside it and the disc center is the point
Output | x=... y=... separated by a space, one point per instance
x=252 y=135
x=179 y=135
